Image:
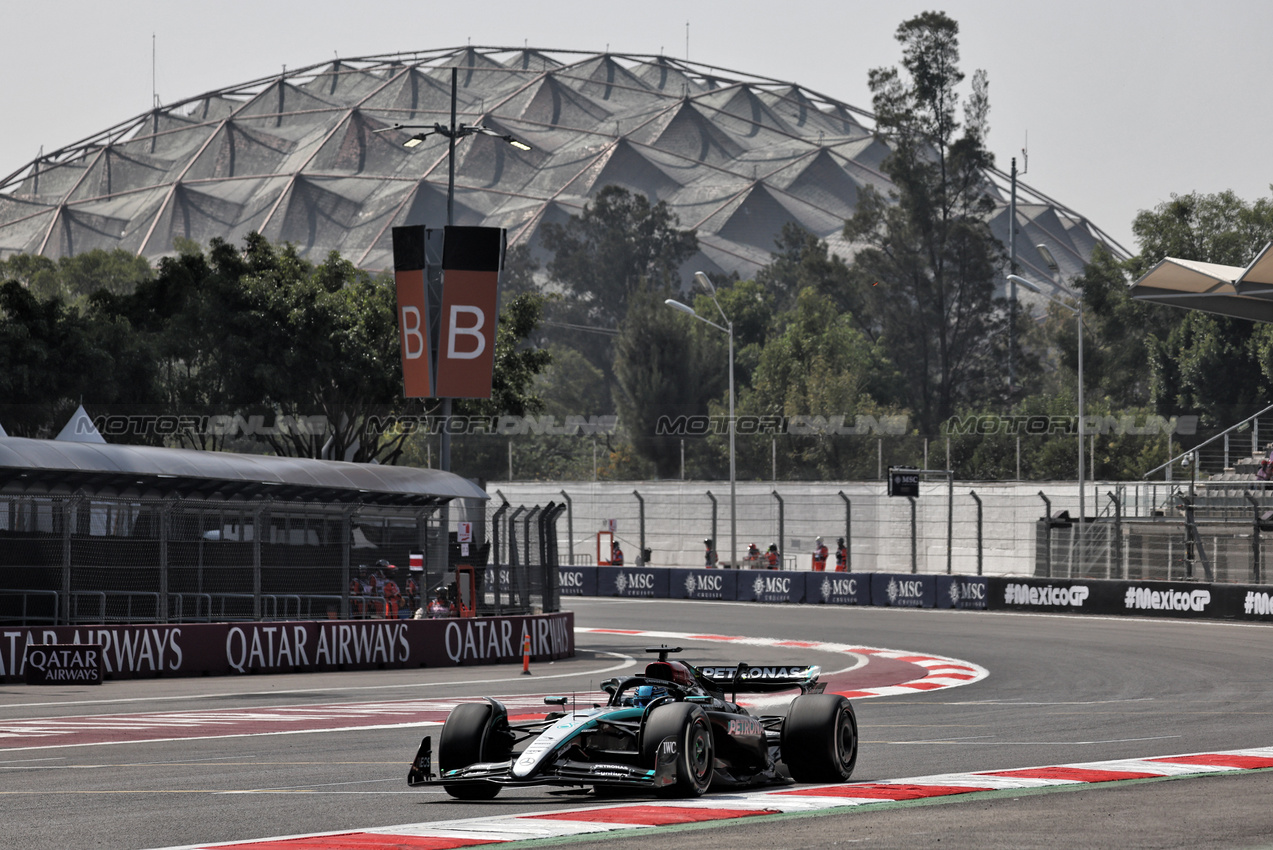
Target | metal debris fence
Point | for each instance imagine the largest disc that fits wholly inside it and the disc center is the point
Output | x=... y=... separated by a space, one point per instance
x=1133 y=530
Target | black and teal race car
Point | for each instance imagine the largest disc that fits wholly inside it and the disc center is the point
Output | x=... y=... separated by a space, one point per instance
x=670 y=730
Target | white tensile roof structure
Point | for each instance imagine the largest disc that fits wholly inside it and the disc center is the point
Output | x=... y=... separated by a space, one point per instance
x=1235 y=291
x=296 y=157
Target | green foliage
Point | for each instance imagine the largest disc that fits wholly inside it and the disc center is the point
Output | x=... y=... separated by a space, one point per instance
x=926 y=274
x=666 y=365
x=819 y=365
x=620 y=244
x=1213 y=366
x=1216 y=228
x=252 y=332
x=74 y=278
x=800 y=261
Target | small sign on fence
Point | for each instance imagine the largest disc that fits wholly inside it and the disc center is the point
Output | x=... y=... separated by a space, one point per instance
x=903 y=481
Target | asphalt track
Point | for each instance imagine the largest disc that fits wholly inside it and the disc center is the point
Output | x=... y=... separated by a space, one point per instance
x=192 y=762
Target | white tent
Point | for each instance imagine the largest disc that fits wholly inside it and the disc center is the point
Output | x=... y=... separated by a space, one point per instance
x=1235 y=291
x=80 y=429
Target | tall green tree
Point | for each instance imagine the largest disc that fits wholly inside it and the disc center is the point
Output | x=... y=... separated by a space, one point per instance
x=926 y=272
x=620 y=244
x=820 y=367
x=801 y=260
x=666 y=366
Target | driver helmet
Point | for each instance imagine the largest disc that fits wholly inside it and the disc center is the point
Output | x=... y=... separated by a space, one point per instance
x=645 y=694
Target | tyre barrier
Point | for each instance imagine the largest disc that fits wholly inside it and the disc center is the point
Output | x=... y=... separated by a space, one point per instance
x=1188 y=599
x=203 y=649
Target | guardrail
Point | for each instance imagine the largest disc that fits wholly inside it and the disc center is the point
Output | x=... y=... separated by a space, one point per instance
x=96 y=607
x=16 y=605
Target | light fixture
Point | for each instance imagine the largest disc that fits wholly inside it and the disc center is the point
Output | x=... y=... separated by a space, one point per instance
x=1048 y=258
x=458 y=133
x=727 y=328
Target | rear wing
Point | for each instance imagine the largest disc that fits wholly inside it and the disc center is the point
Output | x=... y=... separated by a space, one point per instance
x=760 y=679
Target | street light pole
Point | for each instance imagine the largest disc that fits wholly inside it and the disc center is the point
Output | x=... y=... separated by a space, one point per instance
x=727 y=328
x=1078 y=312
x=453 y=132
x=444 y=442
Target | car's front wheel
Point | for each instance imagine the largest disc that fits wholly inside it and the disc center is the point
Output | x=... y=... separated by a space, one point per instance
x=468 y=737
x=820 y=738
x=688 y=725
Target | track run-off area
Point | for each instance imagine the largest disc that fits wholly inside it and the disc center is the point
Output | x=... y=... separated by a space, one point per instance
x=1022 y=730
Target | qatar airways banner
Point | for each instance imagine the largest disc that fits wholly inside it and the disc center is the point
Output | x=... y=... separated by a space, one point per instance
x=128 y=652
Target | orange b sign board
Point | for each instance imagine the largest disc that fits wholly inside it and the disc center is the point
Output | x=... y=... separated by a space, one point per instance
x=413 y=333
x=458 y=360
x=471 y=260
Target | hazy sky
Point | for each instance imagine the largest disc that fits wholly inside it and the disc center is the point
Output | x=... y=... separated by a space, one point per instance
x=1123 y=102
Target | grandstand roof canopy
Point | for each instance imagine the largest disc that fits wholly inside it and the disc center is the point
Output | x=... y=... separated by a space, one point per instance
x=297 y=157
x=1235 y=291
x=45 y=467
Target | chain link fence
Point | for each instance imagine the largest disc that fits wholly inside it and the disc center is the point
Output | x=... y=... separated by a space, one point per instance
x=69 y=560
x=1133 y=529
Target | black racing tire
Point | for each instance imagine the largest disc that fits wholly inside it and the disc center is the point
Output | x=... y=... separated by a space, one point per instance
x=467 y=739
x=696 y=748
x=820 y=738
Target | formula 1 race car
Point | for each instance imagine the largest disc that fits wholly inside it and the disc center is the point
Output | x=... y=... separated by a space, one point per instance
x=670 y=730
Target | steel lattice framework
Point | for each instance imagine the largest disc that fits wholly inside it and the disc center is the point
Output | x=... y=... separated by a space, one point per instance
x=296 y=157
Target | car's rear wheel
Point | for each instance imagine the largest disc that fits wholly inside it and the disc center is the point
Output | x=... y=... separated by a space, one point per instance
x=820 y=738
x=468 y=737
x=688 y=725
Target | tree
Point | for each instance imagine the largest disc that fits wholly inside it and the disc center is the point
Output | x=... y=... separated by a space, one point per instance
x=56 y=357
x=1212 y=365
x=262 y=332
x=75 y=277
x=822 y=368
x=665 y=367
x=619 y=244
x=801 y=260
x=928 y=266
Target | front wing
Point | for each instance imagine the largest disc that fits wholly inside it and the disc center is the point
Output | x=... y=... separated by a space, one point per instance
x=556 y=772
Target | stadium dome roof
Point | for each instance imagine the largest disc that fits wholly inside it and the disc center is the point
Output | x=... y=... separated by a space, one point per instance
x=296 y=156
